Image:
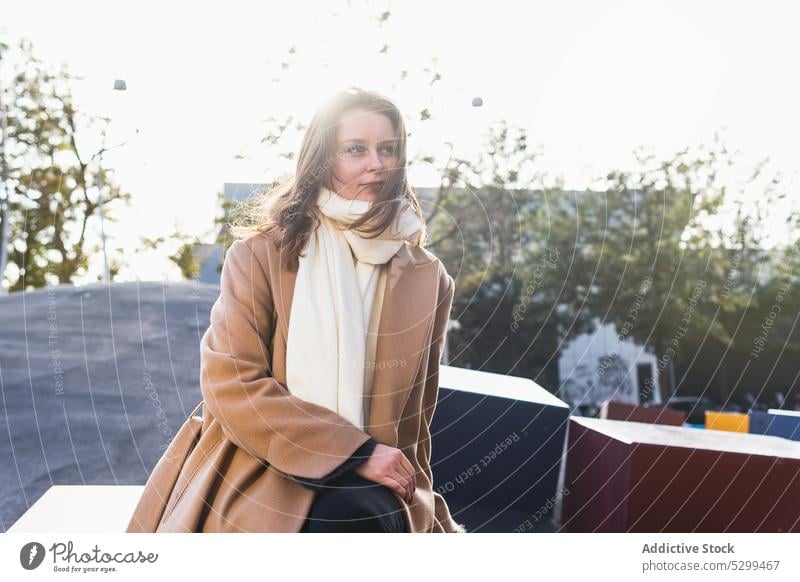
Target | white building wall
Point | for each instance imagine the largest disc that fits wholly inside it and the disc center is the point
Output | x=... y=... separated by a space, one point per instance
x=600 y=366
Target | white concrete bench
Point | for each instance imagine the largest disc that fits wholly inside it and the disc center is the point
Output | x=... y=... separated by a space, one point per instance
x=81 y=509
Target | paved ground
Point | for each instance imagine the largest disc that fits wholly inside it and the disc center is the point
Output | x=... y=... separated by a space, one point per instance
x=94 y=380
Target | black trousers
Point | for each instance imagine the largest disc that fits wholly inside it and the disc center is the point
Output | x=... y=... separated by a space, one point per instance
x=355 y=504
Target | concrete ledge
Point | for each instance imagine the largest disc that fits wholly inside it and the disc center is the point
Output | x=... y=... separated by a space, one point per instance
x=81 y=509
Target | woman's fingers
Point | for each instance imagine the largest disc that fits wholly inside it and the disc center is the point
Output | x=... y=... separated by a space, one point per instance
x=390 y=466
x=404 y=466
x=394 y=481
x=412 y=473
x=394 y=485
x=408 y=491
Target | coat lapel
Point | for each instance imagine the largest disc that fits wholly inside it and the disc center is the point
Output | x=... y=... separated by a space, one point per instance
x=409 y=306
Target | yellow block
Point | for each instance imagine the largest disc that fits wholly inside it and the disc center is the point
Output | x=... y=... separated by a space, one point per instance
x=730 y=421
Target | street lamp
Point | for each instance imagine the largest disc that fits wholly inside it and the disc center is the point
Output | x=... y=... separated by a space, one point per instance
x=119 y=85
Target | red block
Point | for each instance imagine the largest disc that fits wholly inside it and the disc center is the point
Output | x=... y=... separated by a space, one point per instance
x=623 y=411
x=635 y=477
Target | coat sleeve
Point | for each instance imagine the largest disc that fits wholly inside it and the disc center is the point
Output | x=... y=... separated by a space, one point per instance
x=257 y=412
x=360 y=456
x=430 y=397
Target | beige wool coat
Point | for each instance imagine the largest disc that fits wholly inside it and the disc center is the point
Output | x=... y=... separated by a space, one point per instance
x=255 y=433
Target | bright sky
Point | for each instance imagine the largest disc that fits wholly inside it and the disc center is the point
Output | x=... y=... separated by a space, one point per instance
x=589 y=80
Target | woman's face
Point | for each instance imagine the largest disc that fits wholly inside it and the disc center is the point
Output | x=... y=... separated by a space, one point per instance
x=366 y=154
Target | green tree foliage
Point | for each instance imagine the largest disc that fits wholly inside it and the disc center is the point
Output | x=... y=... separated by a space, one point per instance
x=509 y=237
x=661 y=228
x=53 y=183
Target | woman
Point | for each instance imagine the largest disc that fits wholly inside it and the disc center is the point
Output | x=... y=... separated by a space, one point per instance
x=319 y=370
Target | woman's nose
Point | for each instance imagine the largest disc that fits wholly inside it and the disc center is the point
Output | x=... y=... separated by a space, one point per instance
x=374 y=163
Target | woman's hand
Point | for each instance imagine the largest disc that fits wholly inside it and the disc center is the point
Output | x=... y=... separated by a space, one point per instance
x=390 y=467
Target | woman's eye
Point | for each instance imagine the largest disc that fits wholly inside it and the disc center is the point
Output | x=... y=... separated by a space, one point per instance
x=388 y=150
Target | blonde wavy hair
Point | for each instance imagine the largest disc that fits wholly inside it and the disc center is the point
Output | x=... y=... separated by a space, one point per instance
x=287 y=211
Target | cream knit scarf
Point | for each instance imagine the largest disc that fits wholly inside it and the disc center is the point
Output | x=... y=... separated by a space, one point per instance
x=333 y=296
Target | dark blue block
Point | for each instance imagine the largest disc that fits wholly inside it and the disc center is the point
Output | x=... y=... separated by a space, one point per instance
x=775 y=422
x=497 y=444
